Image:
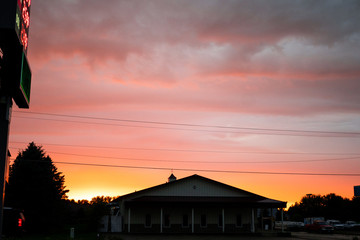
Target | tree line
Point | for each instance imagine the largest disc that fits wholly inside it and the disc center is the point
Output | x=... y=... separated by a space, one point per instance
x=330 y=206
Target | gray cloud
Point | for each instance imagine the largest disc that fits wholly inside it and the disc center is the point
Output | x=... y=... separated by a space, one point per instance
x=314 y=45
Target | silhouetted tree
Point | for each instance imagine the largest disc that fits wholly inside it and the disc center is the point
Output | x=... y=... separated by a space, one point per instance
x=86 y=215
x=336 y=207
x=355 y=209
x=313 y=205
x=330 y=206
x=36 y=186
x=99 y=208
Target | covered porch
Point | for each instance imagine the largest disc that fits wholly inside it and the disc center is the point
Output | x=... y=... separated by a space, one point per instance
x=166 y=214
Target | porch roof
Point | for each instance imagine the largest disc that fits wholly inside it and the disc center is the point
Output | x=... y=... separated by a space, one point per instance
x=254 y=201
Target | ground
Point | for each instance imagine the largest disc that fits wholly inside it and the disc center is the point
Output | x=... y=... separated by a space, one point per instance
x=266 y=236
x=296 y=235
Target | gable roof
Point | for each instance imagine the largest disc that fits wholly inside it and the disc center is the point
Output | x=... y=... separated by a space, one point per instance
x=169 y=192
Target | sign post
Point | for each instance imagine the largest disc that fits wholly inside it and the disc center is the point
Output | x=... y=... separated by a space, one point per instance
x=15 y=74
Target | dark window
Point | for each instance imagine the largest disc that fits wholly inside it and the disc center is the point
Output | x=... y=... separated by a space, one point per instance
x=185 y=220
x=203 y=220
x=220 y=220
x=238 y=220
x=166 y=220
x=147 y=220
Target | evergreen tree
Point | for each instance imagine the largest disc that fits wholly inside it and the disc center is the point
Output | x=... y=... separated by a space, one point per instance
x=36 y=186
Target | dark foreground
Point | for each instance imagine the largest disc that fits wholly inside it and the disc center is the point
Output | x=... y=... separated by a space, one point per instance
x=264 y=236
x=296 y=235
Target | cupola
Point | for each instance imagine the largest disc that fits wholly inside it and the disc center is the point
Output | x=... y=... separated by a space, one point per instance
x=172 y=178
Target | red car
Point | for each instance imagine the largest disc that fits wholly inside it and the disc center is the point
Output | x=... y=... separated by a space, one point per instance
x=319 y=226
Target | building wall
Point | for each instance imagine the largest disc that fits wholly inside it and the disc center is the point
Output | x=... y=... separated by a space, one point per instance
x=213 y=220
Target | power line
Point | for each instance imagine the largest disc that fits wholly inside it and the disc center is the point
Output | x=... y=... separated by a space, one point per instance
x=192 y=150
x=208 y=170
x=268 y=131
x=206 y=162
x=177 y=129
x=123 y=125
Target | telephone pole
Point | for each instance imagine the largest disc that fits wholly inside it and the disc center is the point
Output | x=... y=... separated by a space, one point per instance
x=5 y=117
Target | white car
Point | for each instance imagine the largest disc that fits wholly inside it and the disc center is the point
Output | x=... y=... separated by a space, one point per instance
x=336 y=224
x=351 y=224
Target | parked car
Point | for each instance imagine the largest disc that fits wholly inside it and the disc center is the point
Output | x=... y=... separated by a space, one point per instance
x=319 y=226
x=289 y=225
x=336 y=224
x=13 y=221
x=351 y=225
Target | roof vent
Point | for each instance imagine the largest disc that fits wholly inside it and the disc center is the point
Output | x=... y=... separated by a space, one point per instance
x=172 y=178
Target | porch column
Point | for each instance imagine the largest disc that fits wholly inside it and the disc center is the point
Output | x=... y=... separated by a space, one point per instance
x=161 y=220
x=223 y=220
x=252 y=220
x=192 y=220
x=129 y=220
x=282 y=220
x=272 y=218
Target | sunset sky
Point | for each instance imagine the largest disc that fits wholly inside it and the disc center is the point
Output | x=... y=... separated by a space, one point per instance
x=260 y=95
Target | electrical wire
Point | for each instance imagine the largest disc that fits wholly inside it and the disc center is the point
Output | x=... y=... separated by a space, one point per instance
x=267 y=131
x=208 y=170
x=205 y=162
x=192 y=150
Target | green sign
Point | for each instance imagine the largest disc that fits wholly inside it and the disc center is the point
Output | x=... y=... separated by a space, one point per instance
x=25 y=79
x=22 y=95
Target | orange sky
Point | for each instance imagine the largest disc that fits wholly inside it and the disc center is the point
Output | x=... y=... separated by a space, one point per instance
x=238 y=87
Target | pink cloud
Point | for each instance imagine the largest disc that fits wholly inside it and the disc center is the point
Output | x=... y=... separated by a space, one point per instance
x=177 y=54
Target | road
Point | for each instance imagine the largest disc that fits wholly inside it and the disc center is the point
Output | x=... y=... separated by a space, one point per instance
x=295 y=235
x=304 y=235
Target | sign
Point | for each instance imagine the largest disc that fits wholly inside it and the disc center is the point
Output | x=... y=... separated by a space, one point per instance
x=15 y=19
x=16 y=75
x=357 y=191
x=24 y=21
x=22 y=93
x=14 y=37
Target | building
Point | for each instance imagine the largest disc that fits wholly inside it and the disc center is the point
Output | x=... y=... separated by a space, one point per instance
x=193 y=204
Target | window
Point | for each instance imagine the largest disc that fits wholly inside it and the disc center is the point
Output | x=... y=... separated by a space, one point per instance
x=238 y=220
x=147 y=220
x=185 y=222
x=203 y=220
x=220 y=223
x=166 y=220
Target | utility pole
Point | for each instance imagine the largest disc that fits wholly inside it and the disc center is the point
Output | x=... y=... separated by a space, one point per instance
x=5 y=117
